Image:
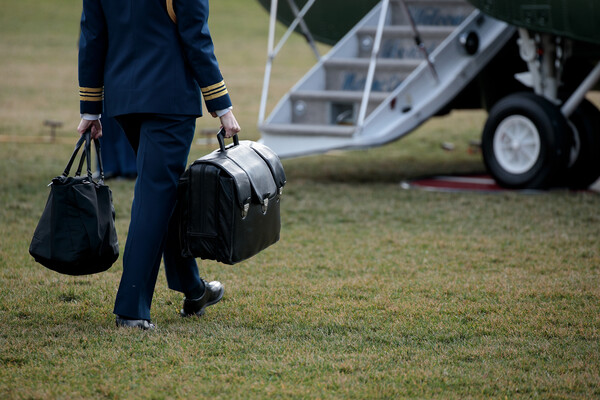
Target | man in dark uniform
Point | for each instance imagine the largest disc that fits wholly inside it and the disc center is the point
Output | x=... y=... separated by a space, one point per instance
x=150 y=60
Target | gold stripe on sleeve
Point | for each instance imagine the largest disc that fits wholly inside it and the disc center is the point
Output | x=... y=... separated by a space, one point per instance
x=216 y=95
x=90 y=90
x=87 y=98
x=210 y=93
x=91 y=94
x=213 y=87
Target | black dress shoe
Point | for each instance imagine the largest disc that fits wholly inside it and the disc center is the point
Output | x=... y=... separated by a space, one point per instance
x=213 y=293
x=135 y=323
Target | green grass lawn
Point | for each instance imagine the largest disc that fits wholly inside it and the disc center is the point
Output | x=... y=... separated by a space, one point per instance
x=372 y=292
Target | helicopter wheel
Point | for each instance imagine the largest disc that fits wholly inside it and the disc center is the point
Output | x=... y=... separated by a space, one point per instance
x=525 y=142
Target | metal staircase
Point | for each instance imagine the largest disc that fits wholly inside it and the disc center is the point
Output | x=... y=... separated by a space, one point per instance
x=400 y=65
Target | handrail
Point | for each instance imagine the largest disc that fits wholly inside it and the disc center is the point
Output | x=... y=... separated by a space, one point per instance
x=372 y=66
x=270 y=57
x=272 y=52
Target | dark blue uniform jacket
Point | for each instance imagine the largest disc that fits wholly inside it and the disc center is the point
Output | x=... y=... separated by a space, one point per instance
x=140 y=58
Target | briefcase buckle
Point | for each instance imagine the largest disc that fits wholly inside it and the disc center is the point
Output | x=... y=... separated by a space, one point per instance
x=245 y=210
x=265 y=205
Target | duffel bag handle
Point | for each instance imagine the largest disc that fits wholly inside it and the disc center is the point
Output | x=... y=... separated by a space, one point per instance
x=85 y=156
x=74 y=155
x=221 y=139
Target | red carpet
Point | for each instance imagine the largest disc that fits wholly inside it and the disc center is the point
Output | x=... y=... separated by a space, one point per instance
x=468 y=183
x=478 y=183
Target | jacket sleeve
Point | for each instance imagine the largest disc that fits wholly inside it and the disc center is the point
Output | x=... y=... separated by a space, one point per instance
x=192 y=24
x=92 y=53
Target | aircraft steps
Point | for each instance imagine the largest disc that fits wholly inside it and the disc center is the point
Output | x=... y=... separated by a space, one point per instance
x=331 y=108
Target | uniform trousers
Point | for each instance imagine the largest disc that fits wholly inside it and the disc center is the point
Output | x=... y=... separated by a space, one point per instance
x=162 y=144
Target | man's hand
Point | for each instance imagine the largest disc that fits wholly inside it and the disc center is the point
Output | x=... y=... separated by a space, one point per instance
x=230 y=124
x=96 y=126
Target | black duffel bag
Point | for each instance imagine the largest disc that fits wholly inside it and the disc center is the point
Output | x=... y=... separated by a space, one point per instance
x=76 y=234
x=229 y=202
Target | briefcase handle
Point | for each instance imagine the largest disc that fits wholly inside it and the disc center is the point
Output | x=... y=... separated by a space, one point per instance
x=221 y=139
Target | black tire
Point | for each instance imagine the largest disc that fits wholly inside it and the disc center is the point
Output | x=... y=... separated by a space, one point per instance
x=525 y=142
x=584 y=163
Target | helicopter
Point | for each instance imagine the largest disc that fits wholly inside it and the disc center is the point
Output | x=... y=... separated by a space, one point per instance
x=394 y=64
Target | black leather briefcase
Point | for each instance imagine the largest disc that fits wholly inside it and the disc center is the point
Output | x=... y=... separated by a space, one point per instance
x=229 y=202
